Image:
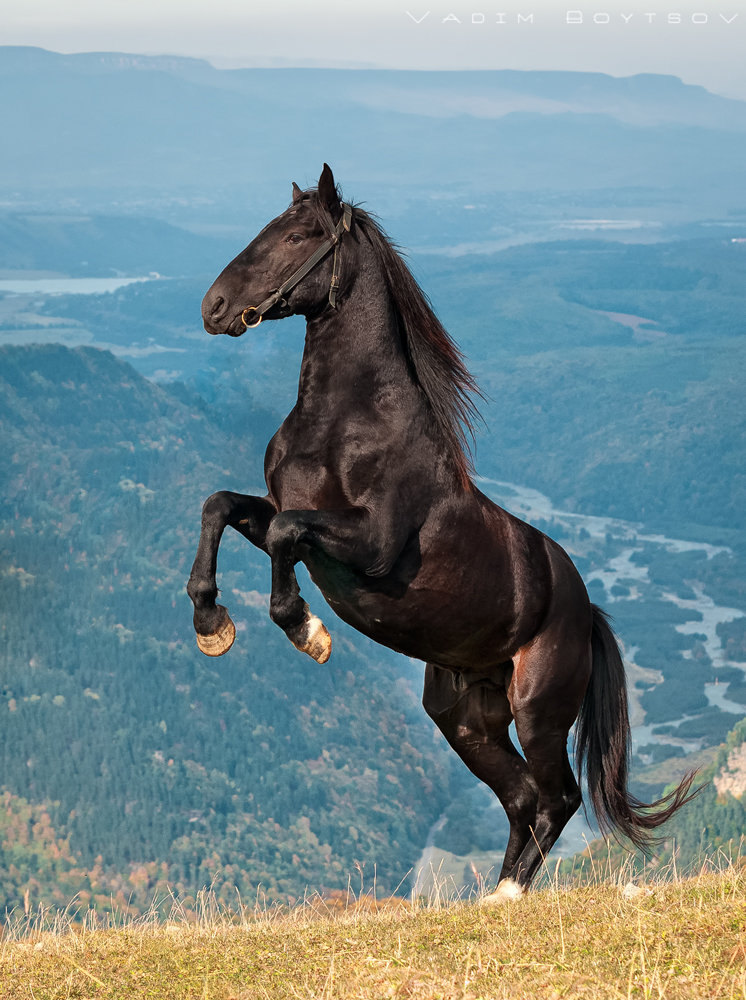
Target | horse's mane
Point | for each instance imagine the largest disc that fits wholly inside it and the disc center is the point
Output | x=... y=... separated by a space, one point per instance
x=436 y=363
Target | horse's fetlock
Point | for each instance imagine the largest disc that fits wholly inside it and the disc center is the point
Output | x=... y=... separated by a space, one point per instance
x=288 y=614
x=200 y=592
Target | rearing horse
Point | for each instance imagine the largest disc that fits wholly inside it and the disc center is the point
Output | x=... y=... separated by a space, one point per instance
x=369 y=484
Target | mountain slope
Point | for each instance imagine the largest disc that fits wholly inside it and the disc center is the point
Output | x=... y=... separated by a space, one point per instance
x=137 y=753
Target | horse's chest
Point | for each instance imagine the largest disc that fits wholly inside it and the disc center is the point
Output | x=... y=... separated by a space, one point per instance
x=302 y=483
x=312 y=468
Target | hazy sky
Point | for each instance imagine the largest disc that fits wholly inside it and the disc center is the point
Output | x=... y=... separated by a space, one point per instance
x=703 y=41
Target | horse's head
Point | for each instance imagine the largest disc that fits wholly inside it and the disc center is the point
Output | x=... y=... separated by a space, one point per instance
x=269 y=278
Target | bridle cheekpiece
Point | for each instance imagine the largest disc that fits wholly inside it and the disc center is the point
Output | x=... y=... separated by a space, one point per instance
x=253 y=315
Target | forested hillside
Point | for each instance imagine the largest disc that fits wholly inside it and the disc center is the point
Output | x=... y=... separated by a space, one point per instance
x=614 y=374
x=128 y=758
x=716 y=820
x=608 y=368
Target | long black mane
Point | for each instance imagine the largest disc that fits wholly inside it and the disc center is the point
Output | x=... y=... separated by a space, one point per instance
x=436 y=363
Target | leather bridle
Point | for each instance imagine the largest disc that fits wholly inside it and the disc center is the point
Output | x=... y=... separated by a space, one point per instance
x=253 y=315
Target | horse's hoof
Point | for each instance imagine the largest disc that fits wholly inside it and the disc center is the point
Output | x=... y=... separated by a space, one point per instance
x=218 y=642
x=312 y=637
x=507 y=892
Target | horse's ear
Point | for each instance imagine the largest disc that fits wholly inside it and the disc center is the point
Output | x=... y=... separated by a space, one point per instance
x=297 y=194
x=328 y=193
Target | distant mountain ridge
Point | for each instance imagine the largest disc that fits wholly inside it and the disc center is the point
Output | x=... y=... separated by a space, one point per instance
x=25 y=58
x=642 y=98
x=179 y=132
x=86 y=245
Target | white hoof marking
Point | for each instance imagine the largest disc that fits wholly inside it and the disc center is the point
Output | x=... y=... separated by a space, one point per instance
x=311 y=637
x=632 y=891
x=507 y=892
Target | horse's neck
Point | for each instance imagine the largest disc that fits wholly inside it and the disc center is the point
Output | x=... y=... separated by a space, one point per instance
x=354 y=353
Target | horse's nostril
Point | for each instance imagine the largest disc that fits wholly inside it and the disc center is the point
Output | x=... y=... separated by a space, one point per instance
x=216 y=306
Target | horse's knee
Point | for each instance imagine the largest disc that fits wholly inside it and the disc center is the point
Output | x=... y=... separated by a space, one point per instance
x=217 y=508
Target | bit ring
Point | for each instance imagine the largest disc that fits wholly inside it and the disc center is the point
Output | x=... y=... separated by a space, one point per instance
x=247 y=313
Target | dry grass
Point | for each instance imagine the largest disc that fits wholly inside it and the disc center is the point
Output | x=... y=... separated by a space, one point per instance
x=671 y=939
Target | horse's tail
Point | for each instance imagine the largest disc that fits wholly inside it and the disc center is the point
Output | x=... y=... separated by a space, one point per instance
x=602 y=744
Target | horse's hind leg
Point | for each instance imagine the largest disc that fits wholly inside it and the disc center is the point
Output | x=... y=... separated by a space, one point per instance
x=473 y=713
x=559 y=798
x=250 y=516
x=549 y=681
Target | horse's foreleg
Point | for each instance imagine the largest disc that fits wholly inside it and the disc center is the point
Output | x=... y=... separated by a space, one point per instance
x=348 y=536
x=251 y=517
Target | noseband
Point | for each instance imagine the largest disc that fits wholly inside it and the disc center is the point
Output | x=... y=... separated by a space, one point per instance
x=253 y=315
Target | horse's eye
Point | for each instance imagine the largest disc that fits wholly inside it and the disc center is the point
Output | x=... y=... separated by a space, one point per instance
x=294 y=238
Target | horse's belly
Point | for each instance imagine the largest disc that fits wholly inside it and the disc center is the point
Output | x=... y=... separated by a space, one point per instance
x=435 y=611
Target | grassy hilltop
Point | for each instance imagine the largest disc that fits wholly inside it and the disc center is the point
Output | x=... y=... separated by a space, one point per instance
x=684 y=938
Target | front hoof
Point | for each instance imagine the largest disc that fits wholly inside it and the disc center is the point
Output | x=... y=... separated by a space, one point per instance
x=221 y=640
x=507 y=892
x=311 y=637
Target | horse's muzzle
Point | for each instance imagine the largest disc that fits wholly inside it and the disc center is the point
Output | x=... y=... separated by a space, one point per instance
x=235 y=328
x=218 y=317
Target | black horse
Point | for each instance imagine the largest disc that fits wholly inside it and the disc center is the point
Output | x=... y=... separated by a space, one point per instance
x=369 y=484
